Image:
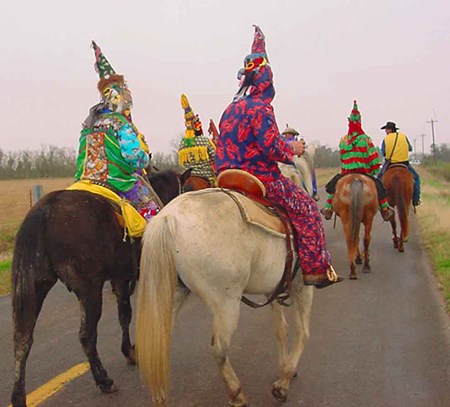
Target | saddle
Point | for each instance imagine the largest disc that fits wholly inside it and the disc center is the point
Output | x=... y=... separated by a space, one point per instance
x=128 y=217
x=248 y=192
x=397 y=165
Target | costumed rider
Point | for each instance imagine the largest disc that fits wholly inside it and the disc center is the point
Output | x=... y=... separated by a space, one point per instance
x=112 y=151
x=249 y=140
x=358 y=156
x=290 y=134
x=395 y=150
x=196 y=150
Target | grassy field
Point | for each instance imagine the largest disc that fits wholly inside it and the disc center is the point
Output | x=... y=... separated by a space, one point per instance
x=434 y=225
x=15 y=201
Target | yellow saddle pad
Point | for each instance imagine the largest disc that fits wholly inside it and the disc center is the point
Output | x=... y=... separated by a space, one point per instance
x=134 y=222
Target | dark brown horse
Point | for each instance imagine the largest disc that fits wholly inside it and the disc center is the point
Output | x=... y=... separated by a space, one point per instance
x=399 y=184
x=195 y=183
x=356 y=202
x=76 y=237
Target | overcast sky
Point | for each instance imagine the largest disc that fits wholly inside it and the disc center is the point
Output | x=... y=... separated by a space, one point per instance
x=393 y=56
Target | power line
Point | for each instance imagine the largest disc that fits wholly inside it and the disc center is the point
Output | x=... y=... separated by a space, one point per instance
x=432 y=121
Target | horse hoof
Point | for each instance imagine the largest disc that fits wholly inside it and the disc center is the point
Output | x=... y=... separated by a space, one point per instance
x=401 y=249
x=358 y=260
x=367 y=269
x=109 y=388
x=279 y=394
x=353 y=277
x=131 y=357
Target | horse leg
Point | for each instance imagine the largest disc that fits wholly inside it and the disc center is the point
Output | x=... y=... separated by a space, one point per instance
x=351 y=247
x=121 y=289
x=366 y=242
x=289 y=363
x=358 y=259
x=395 y=239
x=23 y=340
x=226 y=315
x=90 y=298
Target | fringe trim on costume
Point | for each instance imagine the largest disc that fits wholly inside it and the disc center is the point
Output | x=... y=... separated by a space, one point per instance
x=193 y=154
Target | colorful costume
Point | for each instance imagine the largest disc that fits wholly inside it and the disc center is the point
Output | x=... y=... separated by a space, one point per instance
x=249 y=139
x=112 y=151
x=358 y=155
x=290 y=134
x=195 y=150
x=395 y=149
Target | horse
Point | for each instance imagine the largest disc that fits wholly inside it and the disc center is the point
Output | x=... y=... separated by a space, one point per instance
x=356 y=201
x=200 y=243
x=301 y=172
x=195 y=183
x=398 y=182
x=76 y=237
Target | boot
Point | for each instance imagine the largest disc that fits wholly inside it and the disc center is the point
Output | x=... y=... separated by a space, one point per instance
x=387 y=214
x=327 y=213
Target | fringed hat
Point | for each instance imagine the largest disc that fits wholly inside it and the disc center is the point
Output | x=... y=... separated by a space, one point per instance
x=105 y=71
x=354 y=121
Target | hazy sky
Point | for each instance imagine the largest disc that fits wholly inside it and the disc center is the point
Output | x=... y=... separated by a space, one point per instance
x=393 y=56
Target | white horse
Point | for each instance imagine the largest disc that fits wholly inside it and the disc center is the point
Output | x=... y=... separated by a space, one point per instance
x=202 y=239
x=301 y=172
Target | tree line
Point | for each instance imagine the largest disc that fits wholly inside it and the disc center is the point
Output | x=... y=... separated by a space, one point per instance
x=53 y=161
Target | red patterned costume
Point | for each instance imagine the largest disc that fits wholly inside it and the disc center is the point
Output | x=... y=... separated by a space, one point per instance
x=250 y=140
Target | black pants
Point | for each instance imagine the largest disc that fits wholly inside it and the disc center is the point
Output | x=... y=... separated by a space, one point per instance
x=331 y=185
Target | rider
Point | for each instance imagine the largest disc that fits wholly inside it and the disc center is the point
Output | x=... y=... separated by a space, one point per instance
x=395 y=149
x=195 y=150
x=112 y=151
x=290 y=134
x=249 y=139
x=358 y=155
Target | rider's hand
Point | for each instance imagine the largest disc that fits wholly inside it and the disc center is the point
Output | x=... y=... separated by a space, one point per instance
x=299 y=147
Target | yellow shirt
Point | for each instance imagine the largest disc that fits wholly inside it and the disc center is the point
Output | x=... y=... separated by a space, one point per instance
x=402 y=147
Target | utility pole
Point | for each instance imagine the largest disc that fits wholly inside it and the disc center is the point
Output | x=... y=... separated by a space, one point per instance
x=432 y=135
x=415 y=151
x=423 y=149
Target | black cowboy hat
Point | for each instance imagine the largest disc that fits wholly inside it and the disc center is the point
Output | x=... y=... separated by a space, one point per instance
x=390 y=125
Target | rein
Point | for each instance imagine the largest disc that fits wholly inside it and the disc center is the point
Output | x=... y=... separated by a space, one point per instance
x=282 y=290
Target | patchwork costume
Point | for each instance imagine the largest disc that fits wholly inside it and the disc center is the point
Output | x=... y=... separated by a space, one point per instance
x=395 y=150
x=249 y=140
x=112 y=152
x=358 y=155
x=195 y=150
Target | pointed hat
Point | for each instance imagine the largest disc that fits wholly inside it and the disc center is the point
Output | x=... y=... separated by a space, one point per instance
x=354 y=121
x=105 y=71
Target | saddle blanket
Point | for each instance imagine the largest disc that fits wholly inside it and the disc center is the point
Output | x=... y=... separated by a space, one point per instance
x=131 y=218
x=252 y=212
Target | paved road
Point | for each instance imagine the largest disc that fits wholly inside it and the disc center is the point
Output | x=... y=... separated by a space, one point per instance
x=380 y=341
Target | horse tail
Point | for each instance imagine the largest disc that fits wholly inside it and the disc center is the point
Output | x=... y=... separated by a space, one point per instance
x=155 y=297
x=399 y=191
x=29 y=257
x=356 y=188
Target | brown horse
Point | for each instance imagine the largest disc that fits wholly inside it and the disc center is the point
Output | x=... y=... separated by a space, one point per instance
x=356 y=202
x=76 y=237
x=399 y=183
x=195 y=183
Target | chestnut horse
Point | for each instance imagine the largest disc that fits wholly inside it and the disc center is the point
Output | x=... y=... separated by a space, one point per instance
x=195 y=183
x=356 y=201
x=399 y=183
x=76 y=237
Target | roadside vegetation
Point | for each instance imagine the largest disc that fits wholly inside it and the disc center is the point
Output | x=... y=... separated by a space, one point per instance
x=434 y=222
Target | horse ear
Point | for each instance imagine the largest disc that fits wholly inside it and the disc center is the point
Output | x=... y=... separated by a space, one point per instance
x=185 y=175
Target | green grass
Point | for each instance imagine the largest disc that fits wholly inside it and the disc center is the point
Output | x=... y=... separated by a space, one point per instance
x=5 y=276
x=434 y=225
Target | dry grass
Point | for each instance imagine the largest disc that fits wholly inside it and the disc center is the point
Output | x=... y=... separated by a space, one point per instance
x=323 y=175
x=434 y=224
